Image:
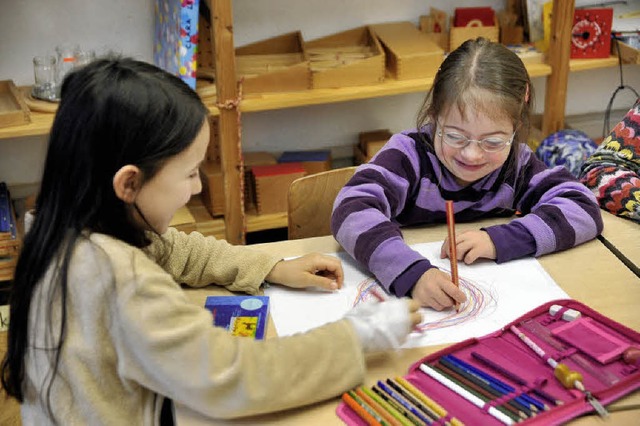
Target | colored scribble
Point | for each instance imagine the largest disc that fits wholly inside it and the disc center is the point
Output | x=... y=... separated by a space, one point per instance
x=479 y=300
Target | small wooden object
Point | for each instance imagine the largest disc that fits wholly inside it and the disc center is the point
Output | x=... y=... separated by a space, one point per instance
x=409 y=52
x=369 y=143
x=272 y=184
x=278 y=64
x=213 y=181
x=13 y=109
x=350 y=58
x=628 y=54
x=459 y=35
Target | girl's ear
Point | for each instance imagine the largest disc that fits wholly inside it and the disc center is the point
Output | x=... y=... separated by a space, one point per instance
x=127 y=183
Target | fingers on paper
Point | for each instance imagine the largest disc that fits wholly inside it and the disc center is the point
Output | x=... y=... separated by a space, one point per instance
x=435 y=290
x=329 y=267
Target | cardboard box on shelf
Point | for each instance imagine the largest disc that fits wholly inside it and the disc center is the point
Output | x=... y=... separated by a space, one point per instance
x=312 y=161
x=272 y=185
x=409 y=53
x=349 y=58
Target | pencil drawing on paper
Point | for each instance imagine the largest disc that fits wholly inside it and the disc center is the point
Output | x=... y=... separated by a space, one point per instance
x=479 y=300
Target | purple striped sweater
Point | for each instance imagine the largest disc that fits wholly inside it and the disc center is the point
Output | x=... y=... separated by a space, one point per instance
x=405 y=184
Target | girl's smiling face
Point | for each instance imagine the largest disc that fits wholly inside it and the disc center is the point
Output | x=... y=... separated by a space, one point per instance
x=471 y=163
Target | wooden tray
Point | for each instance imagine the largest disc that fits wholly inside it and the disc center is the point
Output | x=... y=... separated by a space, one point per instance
x=13 y=109
x=35 y=104
x=350 y=58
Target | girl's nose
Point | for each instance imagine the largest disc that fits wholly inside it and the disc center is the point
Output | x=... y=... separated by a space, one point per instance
x=472 y=151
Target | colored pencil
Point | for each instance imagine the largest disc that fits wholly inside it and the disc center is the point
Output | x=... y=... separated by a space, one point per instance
x=464 y=393
x=428 y=401
x=513 y=376
x=390 y=409
x=406 y=414
x=453 y=255
x=500 y=387
x=412 y=399
x=384 y=413
x=360 y=410
x=406 y=404
x=478 y=391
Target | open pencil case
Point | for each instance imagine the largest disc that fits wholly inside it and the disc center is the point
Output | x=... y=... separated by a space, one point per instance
x=514 y=384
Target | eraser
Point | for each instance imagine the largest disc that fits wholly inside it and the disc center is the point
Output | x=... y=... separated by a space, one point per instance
x=568 y=315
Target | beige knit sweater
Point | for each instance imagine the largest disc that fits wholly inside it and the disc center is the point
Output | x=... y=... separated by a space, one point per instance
x=132 y=337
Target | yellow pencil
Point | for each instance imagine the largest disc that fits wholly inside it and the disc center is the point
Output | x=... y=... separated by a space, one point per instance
x=428 y=401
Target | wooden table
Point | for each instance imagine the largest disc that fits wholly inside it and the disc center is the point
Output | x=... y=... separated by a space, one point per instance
x=589 y=273
x=622 y=237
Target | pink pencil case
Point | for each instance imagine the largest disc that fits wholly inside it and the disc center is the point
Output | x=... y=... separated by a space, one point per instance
x=607 y=381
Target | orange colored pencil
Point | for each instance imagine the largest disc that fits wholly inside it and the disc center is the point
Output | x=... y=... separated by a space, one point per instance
x=360 y=410
x=379 y=409
x=453 y=255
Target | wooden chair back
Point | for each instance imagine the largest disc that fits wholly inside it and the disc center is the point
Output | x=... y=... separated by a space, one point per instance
x=310 y=202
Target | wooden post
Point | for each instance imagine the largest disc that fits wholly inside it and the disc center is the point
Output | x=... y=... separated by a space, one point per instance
x=559 y=52
x=227 y=94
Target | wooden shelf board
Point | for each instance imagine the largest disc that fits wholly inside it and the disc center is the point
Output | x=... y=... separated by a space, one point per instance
x=260 y=222
x=590 y=64
x=40 y=125
x=391 y=86
x=41 y=121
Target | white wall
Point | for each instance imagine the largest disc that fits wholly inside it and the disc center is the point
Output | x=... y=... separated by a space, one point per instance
x=32 y=27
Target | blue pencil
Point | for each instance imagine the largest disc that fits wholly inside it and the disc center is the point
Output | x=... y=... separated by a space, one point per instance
x=507 y=388
x=395 y=395
x=488 y=385
x=493 y=382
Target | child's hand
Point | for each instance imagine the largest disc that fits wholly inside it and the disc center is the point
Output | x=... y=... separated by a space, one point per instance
x=384 y=325
x=471 y=246
x=310 y=270
x=436 y=290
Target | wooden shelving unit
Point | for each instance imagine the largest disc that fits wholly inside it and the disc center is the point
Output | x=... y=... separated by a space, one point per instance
x=237 y=222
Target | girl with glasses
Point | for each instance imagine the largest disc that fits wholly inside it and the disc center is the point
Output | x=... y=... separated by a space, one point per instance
x=469 y=148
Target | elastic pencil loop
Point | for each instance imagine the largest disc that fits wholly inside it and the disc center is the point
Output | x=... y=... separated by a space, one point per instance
x=561 y=311
x=442 y=420
x=559 y=356
x=487 y=406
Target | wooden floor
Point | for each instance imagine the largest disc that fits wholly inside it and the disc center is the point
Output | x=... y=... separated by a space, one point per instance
x=9 y=408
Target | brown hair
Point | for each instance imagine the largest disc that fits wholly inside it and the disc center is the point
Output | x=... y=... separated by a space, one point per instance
x=488 y=77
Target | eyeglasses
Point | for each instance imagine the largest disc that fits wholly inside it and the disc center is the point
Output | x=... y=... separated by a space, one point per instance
x=456 y=140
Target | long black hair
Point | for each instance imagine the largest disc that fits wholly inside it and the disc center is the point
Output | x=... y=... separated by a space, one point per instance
x=113 y=112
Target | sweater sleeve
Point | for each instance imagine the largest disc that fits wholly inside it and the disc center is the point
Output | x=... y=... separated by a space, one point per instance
x=167 y=344
x=198 y=261
x=364 y=211
x=557 y=212
x=613 y=171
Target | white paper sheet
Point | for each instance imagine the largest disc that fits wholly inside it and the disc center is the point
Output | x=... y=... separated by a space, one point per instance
x=497 y=295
